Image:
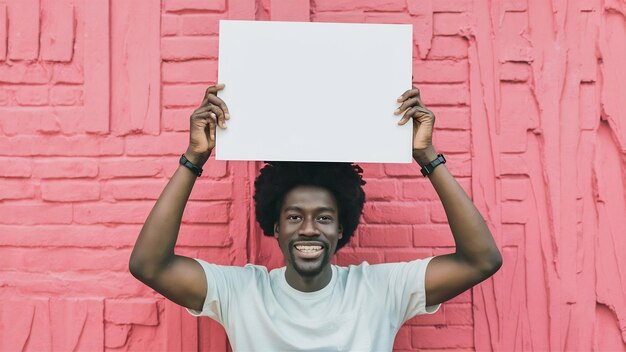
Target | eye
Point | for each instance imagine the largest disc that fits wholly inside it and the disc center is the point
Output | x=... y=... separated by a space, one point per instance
x=325 y=219
x=293 y=217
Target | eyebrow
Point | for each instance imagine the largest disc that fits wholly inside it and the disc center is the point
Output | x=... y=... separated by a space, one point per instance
x=320 y=209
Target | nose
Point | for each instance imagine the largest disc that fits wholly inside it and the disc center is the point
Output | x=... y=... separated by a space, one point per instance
x=308 y=227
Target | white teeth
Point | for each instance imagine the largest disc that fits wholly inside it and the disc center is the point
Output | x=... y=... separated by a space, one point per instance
x=305 y=248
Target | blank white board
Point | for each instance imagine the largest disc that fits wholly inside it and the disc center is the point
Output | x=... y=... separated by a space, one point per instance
x=314 y=91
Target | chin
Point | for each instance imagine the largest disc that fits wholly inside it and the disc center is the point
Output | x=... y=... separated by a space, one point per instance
x=310 y=268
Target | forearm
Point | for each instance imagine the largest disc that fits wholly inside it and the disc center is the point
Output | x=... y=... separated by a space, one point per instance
x=156 y=241
x=474 y=242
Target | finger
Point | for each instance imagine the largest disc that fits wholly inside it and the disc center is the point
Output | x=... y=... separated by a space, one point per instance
x=408 y=115
x=409 y=94
x=211 y=126
x=214 y=99
x=212 y=90
x=406 y=105
x=219 y=116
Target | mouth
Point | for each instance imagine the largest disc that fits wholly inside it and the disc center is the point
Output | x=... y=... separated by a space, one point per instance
x=308 y=249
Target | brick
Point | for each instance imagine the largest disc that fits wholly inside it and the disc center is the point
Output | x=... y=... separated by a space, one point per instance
x=403 y=170
x=165 y=144
x=420 y=189
x=407 y=255
x=57 y=30
x=437 y=213
x=32 y=95
x=35 y=213
x=66 y=95
x=387 y=17
x=452 y=5
x=206 y=212
x=128 y=167
x=432 y=235
x=445 y=71
x=348 y=5
x=459 y=314
x=169 y=25
x=452 y=118
x=380 y=190
x=183 y=95
x=514 y=189
x=513 y=165
x=290 y=10
x=116 y=336
x=182 y=5
x=132 y=311
x=371 y=171
x=98 y=236
x=460 y=165
x=448 y=141
x=175 y=119
x=69 y=73
x=15 y=167
x=515 y=72
x=187 y=48
x=242 y=10
x=395 y=213
x=65 y=168
x=385 y=236
x=200 y=24
x=23 y=39
x=48 y=260
x=61 y=145
x=25 y=73
x=451 y=23
x=513 y=212
x=513 y=234
x=442 y=337
x=3 y=32
x=16 y=189
x=193 y=71
x=448 y=48
x=112 y=213
x=212 y=190
x=70 y=191
x=355 y=257
x=403 y=339
x=445 y=94
x=339 y=17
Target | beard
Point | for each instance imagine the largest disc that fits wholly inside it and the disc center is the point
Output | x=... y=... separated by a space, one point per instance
x=309 y=268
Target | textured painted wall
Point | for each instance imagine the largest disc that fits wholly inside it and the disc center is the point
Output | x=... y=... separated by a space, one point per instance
x=94 y=103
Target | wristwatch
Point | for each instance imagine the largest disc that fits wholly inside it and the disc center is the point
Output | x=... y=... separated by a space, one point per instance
x=188 y=164
x=428 y=168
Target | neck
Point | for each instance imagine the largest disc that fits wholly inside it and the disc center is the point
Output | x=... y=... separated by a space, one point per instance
x=308 y=283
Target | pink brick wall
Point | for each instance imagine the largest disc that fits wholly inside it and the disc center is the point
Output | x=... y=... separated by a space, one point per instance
x=94 y=104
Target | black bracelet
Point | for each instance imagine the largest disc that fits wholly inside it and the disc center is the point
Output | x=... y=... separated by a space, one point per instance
x=428 y=168
x=188 y=164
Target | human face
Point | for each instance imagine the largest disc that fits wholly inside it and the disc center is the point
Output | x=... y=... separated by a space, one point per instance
x=308 y=229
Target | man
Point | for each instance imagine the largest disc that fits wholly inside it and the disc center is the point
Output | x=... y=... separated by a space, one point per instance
x=312 y=209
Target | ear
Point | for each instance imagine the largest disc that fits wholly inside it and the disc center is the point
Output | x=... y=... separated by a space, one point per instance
x=276 y=229
x=340 y=231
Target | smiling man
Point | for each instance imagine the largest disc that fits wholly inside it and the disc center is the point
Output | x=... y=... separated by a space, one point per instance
x=312 y=209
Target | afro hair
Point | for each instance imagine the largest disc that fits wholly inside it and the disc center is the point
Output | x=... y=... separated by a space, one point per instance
x=343 y=180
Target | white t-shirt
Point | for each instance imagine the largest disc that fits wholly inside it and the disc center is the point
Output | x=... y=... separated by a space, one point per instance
x=361 y=309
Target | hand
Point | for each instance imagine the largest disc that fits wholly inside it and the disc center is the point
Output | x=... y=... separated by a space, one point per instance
x=423 y=123
x=212 y=112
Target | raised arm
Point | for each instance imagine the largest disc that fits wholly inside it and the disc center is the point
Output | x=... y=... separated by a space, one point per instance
x=477 y=257
x=153 y=260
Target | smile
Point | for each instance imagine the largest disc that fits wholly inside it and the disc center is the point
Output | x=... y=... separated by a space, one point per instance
x=308 y=250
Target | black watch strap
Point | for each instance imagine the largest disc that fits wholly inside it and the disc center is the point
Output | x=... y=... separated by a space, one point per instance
x=428 y=168
x=188 y=164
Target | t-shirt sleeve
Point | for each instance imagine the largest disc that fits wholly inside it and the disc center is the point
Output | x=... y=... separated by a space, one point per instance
x=405 y=289
x=223 y=284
